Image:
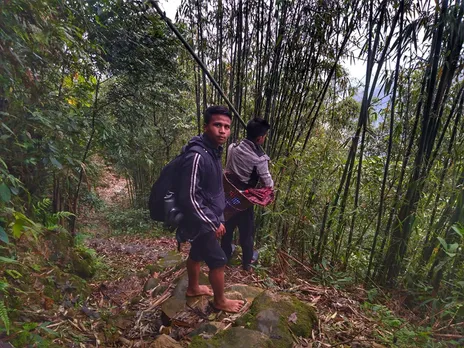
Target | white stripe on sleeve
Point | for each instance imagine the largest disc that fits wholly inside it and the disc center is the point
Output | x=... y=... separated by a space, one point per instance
x=193 y=180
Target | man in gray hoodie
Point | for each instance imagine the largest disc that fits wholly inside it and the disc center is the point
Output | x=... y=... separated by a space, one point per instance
x=250 y=166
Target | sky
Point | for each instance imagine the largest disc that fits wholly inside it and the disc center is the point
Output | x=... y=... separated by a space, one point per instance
x=170 y=7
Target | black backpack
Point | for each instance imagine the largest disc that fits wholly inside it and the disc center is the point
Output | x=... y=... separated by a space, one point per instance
x=166 y=184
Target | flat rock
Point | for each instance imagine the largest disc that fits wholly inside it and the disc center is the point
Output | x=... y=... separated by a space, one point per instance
x=207 y=329
x=248 y=292
x=235 y=337
x=165 y=341
x=178 y=302
x=167 y=260
x=159 y=290
x=170 y=259
x=151 y=284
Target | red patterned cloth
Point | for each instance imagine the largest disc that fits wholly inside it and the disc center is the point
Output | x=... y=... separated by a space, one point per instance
x=260 y=196
x=239 y=200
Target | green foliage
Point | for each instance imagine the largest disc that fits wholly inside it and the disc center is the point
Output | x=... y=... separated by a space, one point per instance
x=5 y=193
x=96 y=262
x=267 y=250
x=330 y=276
x=4 y=236
x=372 y=294
x=9 y=188
x=18 y=225
x=78 y=79
x=104 y=77
x=34 y=332
x=131 y=221
x=14 y=274
x=50 y=220
x=396 y=331
x=7 y=260
x=447 y=308
x=4 y=316
x=449 y=249
x=3 y=285
x=91 y=200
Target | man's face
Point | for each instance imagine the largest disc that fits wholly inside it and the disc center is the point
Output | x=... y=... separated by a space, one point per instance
x=261 y=139
x=218 y=129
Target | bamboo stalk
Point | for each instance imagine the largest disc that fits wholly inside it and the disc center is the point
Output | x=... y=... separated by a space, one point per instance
x=197 y=59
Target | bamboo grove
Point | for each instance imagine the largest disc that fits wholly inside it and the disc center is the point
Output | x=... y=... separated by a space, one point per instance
x=369 y=174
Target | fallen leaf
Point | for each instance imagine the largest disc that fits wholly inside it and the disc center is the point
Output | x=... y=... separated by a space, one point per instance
x=165 y=330
x=90 y=312
x=292 y=318
x=48 y=303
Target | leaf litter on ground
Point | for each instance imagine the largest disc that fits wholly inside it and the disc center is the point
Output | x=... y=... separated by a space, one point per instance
x=136 y=318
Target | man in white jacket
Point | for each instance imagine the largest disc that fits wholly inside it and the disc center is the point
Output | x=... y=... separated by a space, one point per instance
x=250 y=165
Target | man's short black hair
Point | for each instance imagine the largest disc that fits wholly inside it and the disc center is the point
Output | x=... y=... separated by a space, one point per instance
x=257 y=127
x=215 y=110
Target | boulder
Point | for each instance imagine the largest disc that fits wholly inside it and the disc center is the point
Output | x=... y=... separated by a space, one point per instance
x=165 y=341
x=235 y=337
x=170 y=259
x=279 y=316
x=207 y=329
x=150 y=284
x=178 y=301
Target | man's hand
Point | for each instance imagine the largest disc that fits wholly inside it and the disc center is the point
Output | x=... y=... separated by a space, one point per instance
x=220 y=231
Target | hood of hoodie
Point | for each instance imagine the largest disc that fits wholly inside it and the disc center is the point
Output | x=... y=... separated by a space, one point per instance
x=206 y=143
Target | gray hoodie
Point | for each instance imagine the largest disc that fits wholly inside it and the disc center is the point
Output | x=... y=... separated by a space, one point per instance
x=249 y=162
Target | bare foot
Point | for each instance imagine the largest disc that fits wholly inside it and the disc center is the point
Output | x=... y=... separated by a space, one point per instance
x=200 y=291
x=231 y=306
x=248 y=270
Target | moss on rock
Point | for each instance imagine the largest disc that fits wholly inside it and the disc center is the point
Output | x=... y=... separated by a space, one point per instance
x=278 y=316
x=82 y=264
x=235 y=337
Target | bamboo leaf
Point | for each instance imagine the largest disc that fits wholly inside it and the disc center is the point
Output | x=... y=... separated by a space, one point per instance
x=457 y=230
x=8 y=129
x=7 y=260
x=17 y=229
x=44 y=327
x=4 y=236
x=5 y=193
x=452 y=248
x=4 y=316
x=443 y=243
x=56 y=163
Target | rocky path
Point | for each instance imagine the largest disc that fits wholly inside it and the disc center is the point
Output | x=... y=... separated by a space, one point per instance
x=138 y=299
x=138 y=295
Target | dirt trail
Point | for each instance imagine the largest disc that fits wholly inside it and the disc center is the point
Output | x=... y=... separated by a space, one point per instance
x=126 y=265
x=129 y=316
x=118 y=287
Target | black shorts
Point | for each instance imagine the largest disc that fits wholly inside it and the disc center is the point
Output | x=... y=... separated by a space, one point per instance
x=206 y=248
